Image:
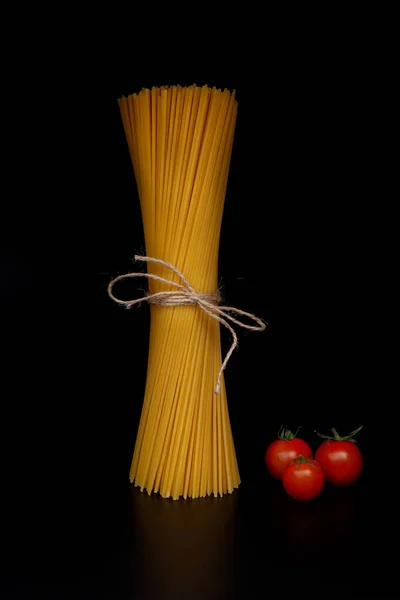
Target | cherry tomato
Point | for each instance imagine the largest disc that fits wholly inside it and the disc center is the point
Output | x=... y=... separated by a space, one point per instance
x=340 y=458
x=283 y=450
x=303 y=479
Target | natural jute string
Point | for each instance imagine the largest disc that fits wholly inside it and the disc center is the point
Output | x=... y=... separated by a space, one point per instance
x=185 y=295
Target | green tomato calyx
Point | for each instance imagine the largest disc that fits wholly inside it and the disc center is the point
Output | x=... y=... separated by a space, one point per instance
x=301 y=460
x=285 y=434
x=337 y=438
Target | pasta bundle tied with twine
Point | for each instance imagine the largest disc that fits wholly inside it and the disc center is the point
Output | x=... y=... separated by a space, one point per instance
x=180 y=141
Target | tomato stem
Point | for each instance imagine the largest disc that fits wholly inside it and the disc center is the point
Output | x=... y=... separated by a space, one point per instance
x=302 y=460
x=337 y=438
x=285 y=434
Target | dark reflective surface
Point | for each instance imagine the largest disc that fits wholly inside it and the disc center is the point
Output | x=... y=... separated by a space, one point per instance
x=284 y=540
x=109 y=540
x=184 y=549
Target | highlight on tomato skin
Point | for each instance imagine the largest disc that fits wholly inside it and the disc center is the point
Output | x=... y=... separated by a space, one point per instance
x=340 y=458
x=303 y=479
x=285 y=449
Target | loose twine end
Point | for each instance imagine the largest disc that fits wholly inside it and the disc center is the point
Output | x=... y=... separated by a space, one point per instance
x=185 y=294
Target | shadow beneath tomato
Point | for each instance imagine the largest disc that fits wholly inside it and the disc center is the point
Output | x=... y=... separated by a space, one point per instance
x=309 y=532
x=286 y=540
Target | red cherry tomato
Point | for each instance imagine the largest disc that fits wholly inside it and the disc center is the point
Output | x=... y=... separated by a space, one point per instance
x=282 y=451
x=340 y=458
x=303 y=479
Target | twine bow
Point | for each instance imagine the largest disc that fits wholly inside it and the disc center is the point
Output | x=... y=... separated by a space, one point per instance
x=185 y=294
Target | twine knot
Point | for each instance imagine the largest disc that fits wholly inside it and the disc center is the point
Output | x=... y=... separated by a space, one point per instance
x=185 y=294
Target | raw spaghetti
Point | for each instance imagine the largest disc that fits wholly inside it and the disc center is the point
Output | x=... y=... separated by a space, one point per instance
x=180 y=141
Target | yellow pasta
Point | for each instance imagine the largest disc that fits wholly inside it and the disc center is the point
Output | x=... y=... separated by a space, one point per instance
x=180 y=142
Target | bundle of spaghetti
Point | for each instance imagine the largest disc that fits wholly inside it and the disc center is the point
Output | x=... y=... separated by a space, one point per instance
x=180 y=141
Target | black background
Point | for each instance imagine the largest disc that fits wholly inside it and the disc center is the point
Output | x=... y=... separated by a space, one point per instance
x=295 y=250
